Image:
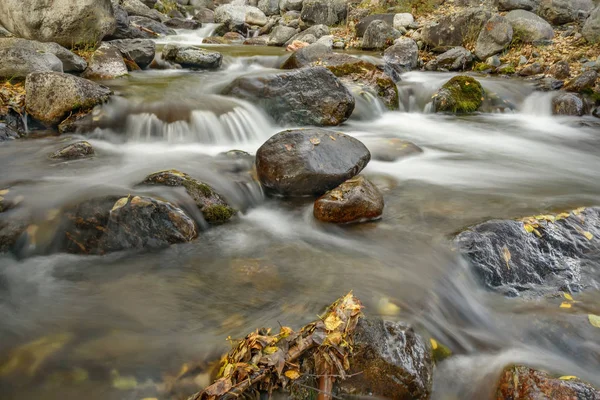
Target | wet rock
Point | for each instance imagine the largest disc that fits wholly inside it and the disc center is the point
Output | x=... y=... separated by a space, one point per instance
x=591 y=27
x=455 y=59
x=456 y=29
x=74 y=151
x=205 y=16
x=80 y=122
x=70 y=61
x=146 y=26
x=403 y=21
x=461 y=94
x=192 y=56
x=7 y=133
x=307 y=96
x=106 y=63
x=524 y=383
x=402 y=56
x=494 y=37
x=64 y=22
x=213 y=207
x=17 y=63
x=141 y=51
x=567 y=104
x=123 y=29
x=12 y=226
x=391 y=149
x=355 y=200
x=509 y=5
x=548 y=84
x=390 y=360
x=291 y=5
x=317 y=31
x=51 y=96
x=559 y=12
x=233 y=37
x=316 y=53
x=280 y=35
x=137 y=8
x=532 y=69
x=585 y=81
x=182 y=23
x=528 y=27
x=305 y=162
x=364 y=23
x=560 y=70
x=269 y=7
x=379 y=35
x=235 y=17
x=509 y=256
x=323 y=12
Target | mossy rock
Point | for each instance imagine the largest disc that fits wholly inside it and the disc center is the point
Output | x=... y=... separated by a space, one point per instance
x=213 y=207
x=460 y=95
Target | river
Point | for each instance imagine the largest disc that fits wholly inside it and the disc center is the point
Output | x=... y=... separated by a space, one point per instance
x=146 y=313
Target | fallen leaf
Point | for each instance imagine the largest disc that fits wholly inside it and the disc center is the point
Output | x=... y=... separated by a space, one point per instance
x=567 y=377
x=292 y=374
x=568 y=296
x=528 y=228
x=4 y=192
x=285 y=331
x=565 y=304
x=506 y=255
x=270 y=350
x=434 y=344
x=588 y=235
x=594 y=320
x=315 y=141
x=219 y=388
x=332 y=322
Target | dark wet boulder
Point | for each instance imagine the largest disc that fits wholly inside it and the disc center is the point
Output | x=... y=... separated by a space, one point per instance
x=141 y=51
x=455 y=59
x=323 y=12
x=316 y=31
x=51 y=96
x=74 y=151
x=456 y=29
x=559 y=12
x=591 y=27
x=123 y=28
x=280 y=35
x=105 y=63
x=495 y=36
x=583 y=82
x=545 y=252
x=213 y=207
x=379 y=35
x=364 y=23
x=524 y=383
x=402 y=56
x=311 y=96
x=461 y=94
x=12 y=226
x=70 y=61
x=355 y=200
x=560 y=70
x=509 y=5
x=528 y=27
x=192 y=56
x=183 y=23
x=391 y=149
x=149 y=28
x=307 y=162
x=389 y=360
x=567 y=104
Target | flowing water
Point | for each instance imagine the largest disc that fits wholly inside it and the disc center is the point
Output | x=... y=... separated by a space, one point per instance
x=143 y=314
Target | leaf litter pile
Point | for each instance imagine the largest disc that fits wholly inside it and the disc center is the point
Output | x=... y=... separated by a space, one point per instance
x=264 y=362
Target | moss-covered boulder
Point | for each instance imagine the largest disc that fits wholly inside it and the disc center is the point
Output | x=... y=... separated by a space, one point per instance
x=461 y=94
x=213 y=207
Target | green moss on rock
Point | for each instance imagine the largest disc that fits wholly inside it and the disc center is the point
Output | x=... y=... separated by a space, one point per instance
x=461 y=94
x=507 y=69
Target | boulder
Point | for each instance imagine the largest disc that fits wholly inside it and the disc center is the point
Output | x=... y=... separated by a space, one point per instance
x=532 y=69
x=545 y=252
x=51 y=96
x=291 y=5
x=524 y=383
x=364 y=23
x=402 y=56
x=114 y=223
x=290 y=19
x=141 y=51
x=235 y=17
x=70 y=61
x=280 y=35
x=183 y=23
x=269 y=7
x=560 y=70
x=17 y=63
x=143 y=25
x=205 y=16
x=494 y=37
x=389 y=360
x=403 y=21
x=316 y=31
x=323 y=12
x=559 y=12
x=308 y=162
x=509 y=5
x=137 y=8
x=455 y=59
x=461 y=94
x=65 y=22
x=307 y=96
x=591 y=27
x=379 y=35
x=74 y=151
x=567 y=104
x=456 y=29
x=192 y=56
x=528 y=27
x=12 y=227
x=583 y=82
x=123 y=29
x=105 y=63
x=316 y=54
x=355 y=200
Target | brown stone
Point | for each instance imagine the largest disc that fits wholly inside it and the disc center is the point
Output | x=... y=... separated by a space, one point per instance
x=355 y=200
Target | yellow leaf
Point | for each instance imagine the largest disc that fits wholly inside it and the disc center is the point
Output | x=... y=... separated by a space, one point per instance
x=506 y=255
x=3 y=192
x=123 y=382
x=567 y=377
x=434 y=344
x=594 y=320
x=332 y=322
x=285 y=331
x=568 y=296
x=529 y=228
x=564 y=304
x=315 y=141
x=270 y=350
x=292 y=374
x=588 y=235
x=334 y=338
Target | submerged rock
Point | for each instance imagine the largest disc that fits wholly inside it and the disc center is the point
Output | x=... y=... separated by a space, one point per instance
x=308 y=96
x=391 y=149
x=567 y=104
x=534 y=253
x=70 y=61
x=213 y=207
x=74 y=151
x=192 y=56
x=461 y=94
x=106 y=63
x=306 y=162
x=355 y=200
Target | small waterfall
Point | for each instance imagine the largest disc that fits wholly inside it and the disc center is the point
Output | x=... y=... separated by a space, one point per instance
x=367 y=106
x=186 y=36
x=538 y=104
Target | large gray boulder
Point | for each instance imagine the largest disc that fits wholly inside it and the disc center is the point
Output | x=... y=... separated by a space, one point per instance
x=141 y=51
x=591 y=28
x=456 y=29
x=105 y=63
x=192 y=56
x=136 y=7
x=124 y=29
x=269 y=7
x=379 y=35
x=306 y=96
x=402 y=56
x=51 y=96
x=364 y=23
x=280 y=34
x=455 y=59
x=509 y=5
x=528 y=27
x=317 y=31
x=235 y=16
x=290 y=5
x=65 y=22
x=560 y=12
x=326 y=12
x=70 y=61
x=17 y=63
x=495 y=36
